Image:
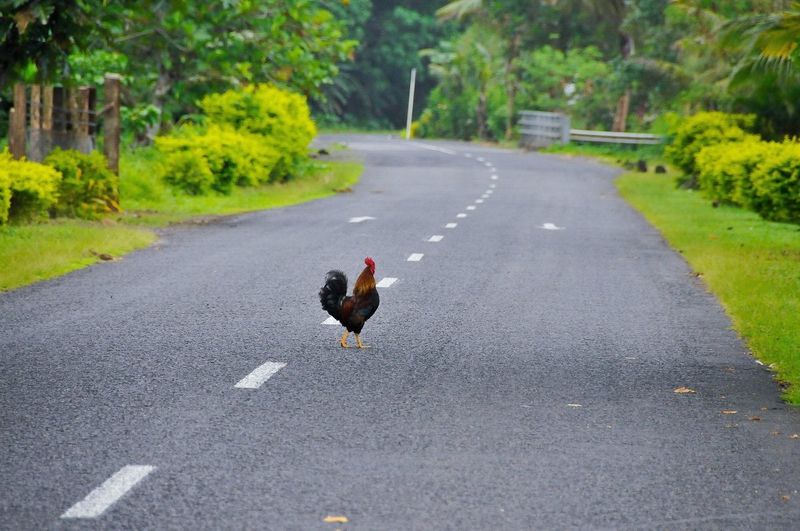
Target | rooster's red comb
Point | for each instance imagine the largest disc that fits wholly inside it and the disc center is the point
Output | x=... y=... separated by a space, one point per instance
x=369 y=261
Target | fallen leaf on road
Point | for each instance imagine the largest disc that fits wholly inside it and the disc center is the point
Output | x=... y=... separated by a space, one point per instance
x=764 y=408
x=731 y=425
x=684 y=390
x=755 y=419
x=335 y=520
x=775 y=433
x=574 y=405
x=794 y=436
x=729 y=412
x=786 y=497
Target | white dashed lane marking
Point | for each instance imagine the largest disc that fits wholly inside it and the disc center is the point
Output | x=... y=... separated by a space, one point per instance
x=436 y=238
x=485 y=196
x=96 y=502
x=360 y=219
x=415 y=257
x=451 y=225
x=461 y=215
x=479 y=201
x=492 y=186
x=471 y=207
x=386 y=282
x=494 y=177
x=551 y=226
x=330 y=321
x=481 y=159
x=256 y=379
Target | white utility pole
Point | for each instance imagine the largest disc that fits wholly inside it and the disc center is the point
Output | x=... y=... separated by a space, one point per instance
x=411 y=101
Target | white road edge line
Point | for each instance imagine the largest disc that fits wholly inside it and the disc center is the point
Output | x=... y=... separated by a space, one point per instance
x=386 y=282
x=436 y=238
x=330 y=321
x=435 y=148
x=451 y=225
x=264 y=372
x=461 y=215
x=96 y=502
x=415 y=257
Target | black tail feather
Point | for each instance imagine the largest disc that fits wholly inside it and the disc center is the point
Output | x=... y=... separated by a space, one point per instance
x=333 y=293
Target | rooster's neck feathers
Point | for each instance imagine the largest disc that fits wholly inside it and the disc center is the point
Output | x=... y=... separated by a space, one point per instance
x=364 y=283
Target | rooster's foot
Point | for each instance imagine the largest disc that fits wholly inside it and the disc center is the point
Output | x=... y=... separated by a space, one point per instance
x=343 y=342
x=359 y=343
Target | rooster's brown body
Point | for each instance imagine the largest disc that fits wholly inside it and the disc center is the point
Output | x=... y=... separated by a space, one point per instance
x=353 y=310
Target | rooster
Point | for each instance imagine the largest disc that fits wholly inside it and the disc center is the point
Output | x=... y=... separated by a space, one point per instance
x=352 y=311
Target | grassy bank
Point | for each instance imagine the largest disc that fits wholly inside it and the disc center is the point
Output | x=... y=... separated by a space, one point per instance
x=751 y=265
x=151 y=202
x=33 y=252
x=30 y=253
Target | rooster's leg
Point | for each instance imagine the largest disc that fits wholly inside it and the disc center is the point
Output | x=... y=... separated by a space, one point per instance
x=359 y=343
x=344 y=339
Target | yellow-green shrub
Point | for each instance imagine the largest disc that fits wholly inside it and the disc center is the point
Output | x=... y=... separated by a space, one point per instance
x=761 y=176
x=5 y=195
x=32 y=188
x=704 y=129
x=725 y=170
x=217 y=158
x=88 y=188
x=281 y=117
x=776 y=184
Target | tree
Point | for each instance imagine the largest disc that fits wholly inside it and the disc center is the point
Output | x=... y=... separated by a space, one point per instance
x=180 y=50
x=37 y=36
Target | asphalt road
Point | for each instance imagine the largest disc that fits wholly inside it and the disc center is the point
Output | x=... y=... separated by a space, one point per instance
x=521 y=374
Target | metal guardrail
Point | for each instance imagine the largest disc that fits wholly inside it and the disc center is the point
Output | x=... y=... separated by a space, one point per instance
x=540 y=129
x=583 y=135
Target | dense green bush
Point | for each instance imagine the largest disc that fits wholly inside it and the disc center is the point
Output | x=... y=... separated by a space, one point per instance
x=5 y=195
x=217 y=158
x=281 y=117
x=761 y=176
x=27 y=189
x=776 y=184
x=88 y=189
x=704 y=129
x=725 y=170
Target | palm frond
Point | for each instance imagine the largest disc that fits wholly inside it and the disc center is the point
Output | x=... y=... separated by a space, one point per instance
x=458 y=9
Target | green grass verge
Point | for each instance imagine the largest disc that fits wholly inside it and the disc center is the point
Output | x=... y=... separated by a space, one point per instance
x=149 y=201
x=609 y=152
x=751 y=265
x=34 y=252
x=30 y=253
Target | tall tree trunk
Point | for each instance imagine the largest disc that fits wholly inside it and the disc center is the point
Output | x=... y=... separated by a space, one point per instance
x=511 y=84
x=481 y=114
x=621 y=116
x=624 y=103
x=163 y=86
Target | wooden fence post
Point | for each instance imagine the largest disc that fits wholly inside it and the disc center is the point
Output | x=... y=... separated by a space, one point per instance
x=111 y=124
x=47 y=108
x=16 y=136
x=83 y=108
x=36 y=107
